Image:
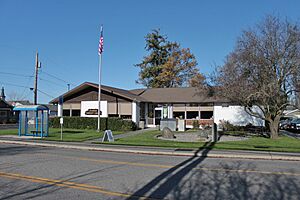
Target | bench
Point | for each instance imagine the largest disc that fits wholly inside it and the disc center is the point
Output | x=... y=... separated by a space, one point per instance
x=36 y=132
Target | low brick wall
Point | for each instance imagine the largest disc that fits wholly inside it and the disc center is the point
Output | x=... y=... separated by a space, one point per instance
x=189 y=122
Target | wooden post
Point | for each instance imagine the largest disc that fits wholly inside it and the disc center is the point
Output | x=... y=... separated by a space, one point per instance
x=37 y=66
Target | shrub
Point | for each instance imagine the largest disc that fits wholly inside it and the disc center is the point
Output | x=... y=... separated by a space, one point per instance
x=114 y=124
x=227 y=126
x=196 y=124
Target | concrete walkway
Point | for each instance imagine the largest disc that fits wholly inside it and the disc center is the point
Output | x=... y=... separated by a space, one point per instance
x=132 y=133
x=232 y=154
x=124 y=135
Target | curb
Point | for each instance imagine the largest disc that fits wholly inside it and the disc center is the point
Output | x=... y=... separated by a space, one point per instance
x=209 y=155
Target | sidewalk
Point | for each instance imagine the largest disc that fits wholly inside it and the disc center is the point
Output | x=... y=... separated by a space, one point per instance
x=264 y=155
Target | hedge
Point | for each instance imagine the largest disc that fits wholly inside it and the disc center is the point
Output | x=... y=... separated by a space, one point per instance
x=114 y=124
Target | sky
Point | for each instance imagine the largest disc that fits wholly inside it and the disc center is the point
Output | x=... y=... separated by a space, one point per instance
x=66 y=35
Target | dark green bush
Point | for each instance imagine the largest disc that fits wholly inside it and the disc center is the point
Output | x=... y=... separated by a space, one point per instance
x=227 y=126
x=114 y=124
x=196 y=124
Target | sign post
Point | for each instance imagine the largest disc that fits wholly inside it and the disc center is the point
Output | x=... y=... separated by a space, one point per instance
x=61 y=121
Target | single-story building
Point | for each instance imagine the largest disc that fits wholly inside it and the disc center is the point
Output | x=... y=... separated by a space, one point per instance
x=19 y=102
x=6 y=110
x=150 y=105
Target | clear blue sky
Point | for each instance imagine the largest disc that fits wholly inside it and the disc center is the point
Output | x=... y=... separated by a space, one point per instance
x=66 y=34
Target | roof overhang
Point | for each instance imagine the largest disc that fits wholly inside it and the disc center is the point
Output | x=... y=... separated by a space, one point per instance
x=122 y=93
x=30 y=108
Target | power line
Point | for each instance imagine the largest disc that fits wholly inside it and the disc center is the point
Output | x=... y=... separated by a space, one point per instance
x=5 y=83
x=46 y=94
x=53 y=76
x=11 y=84
x=54 y=83
x=28 y=82
x=14 y=74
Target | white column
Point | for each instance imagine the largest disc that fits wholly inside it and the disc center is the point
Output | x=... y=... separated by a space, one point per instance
x=71 y=110
x=170 y=111
x=59 y=110
x=135 y=112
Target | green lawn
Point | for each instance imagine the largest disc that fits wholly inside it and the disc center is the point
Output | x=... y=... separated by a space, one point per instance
x=69 y=135
x=9 y=132
x=283 y=144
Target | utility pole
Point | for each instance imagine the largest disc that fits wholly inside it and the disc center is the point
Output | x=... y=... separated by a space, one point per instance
x=37 y=66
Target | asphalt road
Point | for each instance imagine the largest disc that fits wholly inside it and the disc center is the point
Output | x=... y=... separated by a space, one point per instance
x=28 y=172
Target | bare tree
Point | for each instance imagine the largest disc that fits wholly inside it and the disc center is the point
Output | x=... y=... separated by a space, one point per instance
x=15 y=96
x=263 y=70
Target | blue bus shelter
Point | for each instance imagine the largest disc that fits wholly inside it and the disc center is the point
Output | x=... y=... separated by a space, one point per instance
x=33 y=120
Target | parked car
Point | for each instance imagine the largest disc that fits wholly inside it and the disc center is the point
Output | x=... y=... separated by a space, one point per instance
x=285 y=123
x=295 y=125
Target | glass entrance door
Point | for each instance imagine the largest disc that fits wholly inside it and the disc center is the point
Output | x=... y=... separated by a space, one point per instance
x=157 y=115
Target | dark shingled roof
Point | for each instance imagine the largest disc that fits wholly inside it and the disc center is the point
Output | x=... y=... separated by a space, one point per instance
x=154 y=95
x=176 y=95
x=123 y=93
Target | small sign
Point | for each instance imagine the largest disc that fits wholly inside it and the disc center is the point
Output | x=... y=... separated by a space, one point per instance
x=108 y=136
x=61 y=120
x=92 y=112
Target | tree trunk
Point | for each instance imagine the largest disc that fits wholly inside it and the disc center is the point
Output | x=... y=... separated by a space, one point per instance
x=274 y=127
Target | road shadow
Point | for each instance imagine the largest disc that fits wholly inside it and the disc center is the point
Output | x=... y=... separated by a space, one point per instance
x=20 y=191
x=167 y=179
x=42 y=189
x=67 y=131
x=9 y=150
x=237 y=180
x=189 y=179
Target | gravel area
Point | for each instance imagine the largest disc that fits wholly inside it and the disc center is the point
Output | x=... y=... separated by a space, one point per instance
x=228 y=138
x=185 y=137
x=195 y=137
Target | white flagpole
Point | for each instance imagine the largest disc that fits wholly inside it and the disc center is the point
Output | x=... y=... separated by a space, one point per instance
x=99 y=91
x=99 y=86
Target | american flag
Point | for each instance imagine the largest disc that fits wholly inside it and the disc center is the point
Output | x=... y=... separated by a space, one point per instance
x=100 y=49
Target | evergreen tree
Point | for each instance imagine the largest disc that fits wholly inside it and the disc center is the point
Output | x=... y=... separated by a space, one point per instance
x=167 y=65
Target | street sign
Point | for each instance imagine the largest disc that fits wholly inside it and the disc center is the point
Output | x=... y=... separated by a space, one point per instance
x=108 y=136
x=61 y=120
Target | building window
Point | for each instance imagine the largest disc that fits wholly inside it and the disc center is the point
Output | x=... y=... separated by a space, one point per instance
x=66 y=112
x=206 y=114
x=3 y=113
x=113 y=115
x=75 y=112
x=151 y=110
x=192 y=114
x=193 y=105
x=179 y=115
x=142 y=111
x=126 y=116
